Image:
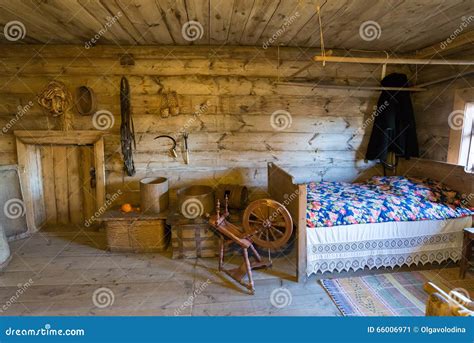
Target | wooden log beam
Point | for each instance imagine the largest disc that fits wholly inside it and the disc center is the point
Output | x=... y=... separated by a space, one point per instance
x=352 y=87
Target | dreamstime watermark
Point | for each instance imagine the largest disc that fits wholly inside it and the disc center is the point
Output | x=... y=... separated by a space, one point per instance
x=192 y=30
x=370 y=30
x=191 y=298
x=376 y=112
x=47 y=330
x=288 y=199
x=287 y=22
x=103 y=120
x=456 y=120
x=281 y=297
x=466 y=21
x=103 y=208
x=199 y=111
x=21 y=111
x=192 y=208
x=14 y=298
x=14 y=208
x=14 y=30
x=108 y=24
x=281 y=120
x=103 y=297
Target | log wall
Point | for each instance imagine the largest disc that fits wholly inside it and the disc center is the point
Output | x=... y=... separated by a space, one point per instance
x=231 y=140
x=433 y=108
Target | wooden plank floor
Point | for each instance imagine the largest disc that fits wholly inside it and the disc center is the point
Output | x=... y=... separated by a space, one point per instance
x=63 y=270
x=67 y=268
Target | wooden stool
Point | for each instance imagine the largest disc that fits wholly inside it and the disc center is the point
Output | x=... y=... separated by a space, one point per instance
x=466 y=251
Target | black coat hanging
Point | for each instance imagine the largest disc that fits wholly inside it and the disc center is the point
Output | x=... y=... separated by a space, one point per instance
x=394 y=128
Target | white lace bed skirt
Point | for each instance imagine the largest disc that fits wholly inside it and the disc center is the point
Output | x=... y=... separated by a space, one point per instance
x=391 y=244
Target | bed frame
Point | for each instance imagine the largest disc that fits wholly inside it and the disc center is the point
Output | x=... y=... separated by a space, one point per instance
x=286 y=189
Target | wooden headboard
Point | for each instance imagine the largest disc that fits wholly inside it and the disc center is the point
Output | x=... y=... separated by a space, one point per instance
x=283 y=188
x=451 y=175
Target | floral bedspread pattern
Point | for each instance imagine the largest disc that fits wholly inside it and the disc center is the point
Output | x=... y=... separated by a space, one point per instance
x=382 y=199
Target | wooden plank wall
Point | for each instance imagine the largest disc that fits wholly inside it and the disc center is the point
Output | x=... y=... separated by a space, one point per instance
x=232 y=140
x=432 y=109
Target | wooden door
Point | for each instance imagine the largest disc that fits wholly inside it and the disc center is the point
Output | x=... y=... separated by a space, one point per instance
x=69 y=195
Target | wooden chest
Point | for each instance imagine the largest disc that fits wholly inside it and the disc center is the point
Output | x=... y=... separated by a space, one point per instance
x=135 y=232
x=191 y=238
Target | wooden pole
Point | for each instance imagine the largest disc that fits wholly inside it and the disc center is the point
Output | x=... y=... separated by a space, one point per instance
x=382 y=60
x=447 y=78
x=349 y=87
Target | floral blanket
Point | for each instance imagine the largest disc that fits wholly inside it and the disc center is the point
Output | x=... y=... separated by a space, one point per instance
x=382 y=199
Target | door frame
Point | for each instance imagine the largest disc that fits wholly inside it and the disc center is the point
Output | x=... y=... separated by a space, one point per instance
x=29 y=167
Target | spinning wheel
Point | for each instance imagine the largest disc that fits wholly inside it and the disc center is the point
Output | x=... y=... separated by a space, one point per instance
x=267 y=223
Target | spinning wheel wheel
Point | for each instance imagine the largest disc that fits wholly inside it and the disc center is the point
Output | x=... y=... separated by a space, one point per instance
x=267 y=223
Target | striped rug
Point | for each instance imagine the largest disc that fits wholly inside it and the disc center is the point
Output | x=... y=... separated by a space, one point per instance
x=391 y=294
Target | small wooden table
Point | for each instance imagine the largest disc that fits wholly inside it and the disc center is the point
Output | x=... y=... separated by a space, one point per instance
x=467 y=245
x=135 y=231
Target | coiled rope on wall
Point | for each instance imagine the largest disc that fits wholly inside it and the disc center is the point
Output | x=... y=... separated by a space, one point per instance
x=127 y=130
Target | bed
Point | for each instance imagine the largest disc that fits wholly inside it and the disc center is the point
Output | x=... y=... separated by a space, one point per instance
x=391 y=221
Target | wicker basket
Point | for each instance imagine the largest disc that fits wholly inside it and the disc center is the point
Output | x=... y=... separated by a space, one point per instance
x=137 y=235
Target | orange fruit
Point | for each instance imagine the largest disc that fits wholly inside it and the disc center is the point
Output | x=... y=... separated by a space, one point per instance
x=126 y=208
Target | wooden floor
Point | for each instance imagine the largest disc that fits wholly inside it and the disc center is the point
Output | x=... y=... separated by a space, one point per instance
x=67 y=268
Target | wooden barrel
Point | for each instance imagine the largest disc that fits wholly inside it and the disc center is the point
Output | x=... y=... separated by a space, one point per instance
x=196 y=201
x=238 y=195
x=154 y=194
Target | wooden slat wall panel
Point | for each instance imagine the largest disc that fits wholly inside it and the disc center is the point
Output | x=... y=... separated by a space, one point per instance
x=262 y=12
x=406 y=25
x=175 y=16
x=240 y=17
x=118 y=34
x=220 y=17
x=153 y=24
x=47 y=164
x=198 y=10
x=286 y=10
x=88 y=194
x=124 y=22
x=61 y=183
x=74 y=185
x=309 y=34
